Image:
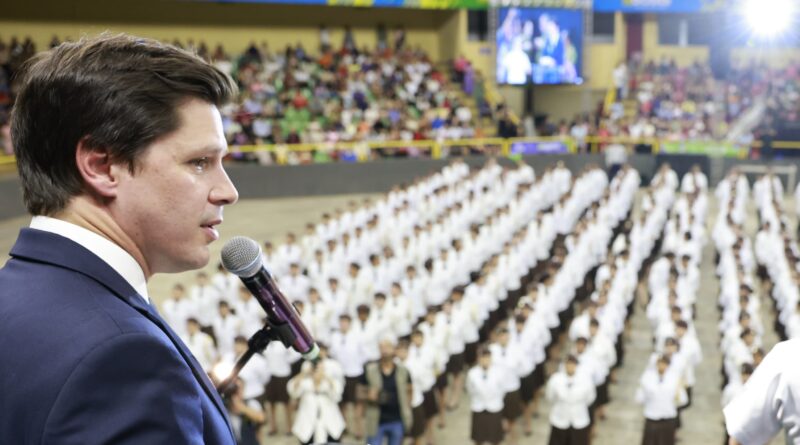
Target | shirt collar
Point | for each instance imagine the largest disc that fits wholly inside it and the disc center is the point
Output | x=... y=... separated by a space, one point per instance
x=115 y=256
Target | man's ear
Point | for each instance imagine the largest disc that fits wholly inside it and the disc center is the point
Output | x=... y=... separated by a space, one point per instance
x=99 y=173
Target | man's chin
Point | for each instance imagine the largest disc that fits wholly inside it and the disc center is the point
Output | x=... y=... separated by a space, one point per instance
x=197 y=260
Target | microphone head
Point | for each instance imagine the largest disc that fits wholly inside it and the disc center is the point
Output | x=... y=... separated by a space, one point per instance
x=241 y=256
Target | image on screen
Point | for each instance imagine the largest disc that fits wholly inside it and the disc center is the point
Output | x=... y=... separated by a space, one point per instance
x=539 y=45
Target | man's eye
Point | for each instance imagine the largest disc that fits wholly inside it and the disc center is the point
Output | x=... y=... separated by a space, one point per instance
x=200 y=164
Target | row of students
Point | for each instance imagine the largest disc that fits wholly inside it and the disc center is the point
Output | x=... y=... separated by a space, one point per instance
x=741 y=326
x=515 y=360
x=598 y=332
x=672 y=284
x=778 y=258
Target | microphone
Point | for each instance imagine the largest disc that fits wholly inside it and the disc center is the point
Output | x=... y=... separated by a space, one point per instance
x=241 y=256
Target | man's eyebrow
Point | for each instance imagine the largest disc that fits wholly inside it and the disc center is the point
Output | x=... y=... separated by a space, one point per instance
x=211 y=148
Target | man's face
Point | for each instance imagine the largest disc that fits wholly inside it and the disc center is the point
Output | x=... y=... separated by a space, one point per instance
x=170 y=206
x=387 y=349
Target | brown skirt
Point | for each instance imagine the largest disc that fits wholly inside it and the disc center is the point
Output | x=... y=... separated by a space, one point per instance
x=659 y=432
x=471 y=353
x=419 y=421
x=456 y=364
x=512 y=405
x=276 y=390
x=349 y=393
x=569 y=436
x=541 y=376
x=487 y=427
x=527 y=387
x=429 y=403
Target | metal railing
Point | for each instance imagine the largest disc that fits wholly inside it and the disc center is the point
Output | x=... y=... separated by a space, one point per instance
x=364 y=151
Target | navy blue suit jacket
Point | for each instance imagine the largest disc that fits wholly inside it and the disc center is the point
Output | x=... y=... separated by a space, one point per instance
x=84 y=360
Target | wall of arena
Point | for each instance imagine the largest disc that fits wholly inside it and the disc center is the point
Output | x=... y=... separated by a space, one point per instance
x=233 y=25
x=258 y=182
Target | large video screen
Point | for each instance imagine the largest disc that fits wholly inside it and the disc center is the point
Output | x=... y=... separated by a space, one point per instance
x=539 y=45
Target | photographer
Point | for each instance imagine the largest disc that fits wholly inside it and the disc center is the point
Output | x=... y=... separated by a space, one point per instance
x=246 y=415
x=318 y=417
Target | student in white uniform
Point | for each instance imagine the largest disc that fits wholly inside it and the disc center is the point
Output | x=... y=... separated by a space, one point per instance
x=290 y=252
x=177 y=309
x=347 y=348
x=227 y=283
x=486 y=401
x=249 y=311
x=319 y=315
x=255 y=375
x=336 y=298
x=769 y=400
x=295 y=285
x=418 y=373
x=205 y=297
x=226 y=327
x=200 y=344
x=508 y=358
x=280 y=361
x=429 y=364
x=570 y=394
x=660 y=392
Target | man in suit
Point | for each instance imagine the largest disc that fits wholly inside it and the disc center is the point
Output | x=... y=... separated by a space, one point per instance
x=119 y=147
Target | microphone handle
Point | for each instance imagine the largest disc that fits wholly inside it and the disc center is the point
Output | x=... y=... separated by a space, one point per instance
x=280 y=311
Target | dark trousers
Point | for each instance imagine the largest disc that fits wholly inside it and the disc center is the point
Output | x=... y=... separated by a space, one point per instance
x=659 y=432
x=569 y=436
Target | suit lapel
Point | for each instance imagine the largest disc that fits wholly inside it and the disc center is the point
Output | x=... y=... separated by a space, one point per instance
x=45 y=247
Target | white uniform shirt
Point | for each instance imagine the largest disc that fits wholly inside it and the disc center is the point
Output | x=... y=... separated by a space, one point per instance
x=201 y=345
x=768 y=402
x=482 y=387
x=347 y=349
x=660 y=394
x=570 y=397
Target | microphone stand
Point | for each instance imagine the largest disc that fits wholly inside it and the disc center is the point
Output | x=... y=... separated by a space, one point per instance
x=256 y=344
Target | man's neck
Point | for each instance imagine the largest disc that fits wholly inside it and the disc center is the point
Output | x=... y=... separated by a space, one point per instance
x=86 y=213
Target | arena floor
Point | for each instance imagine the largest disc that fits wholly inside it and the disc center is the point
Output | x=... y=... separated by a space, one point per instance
x=702 y=422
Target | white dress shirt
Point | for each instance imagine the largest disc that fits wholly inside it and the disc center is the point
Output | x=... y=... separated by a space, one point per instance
x=115 y=256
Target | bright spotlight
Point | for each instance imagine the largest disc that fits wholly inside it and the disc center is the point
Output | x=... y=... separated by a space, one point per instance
x=222 y=370
x=768 y=18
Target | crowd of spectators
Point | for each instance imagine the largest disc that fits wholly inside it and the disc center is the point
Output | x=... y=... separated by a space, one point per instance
x=676 y=103
x=13 y=53
x=392 y=92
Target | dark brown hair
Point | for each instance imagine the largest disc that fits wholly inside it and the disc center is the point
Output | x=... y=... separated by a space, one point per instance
x=118 y=93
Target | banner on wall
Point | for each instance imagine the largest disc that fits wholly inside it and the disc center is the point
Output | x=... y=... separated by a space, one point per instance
x=538 y=148
x=657 y=5
x=708 y=148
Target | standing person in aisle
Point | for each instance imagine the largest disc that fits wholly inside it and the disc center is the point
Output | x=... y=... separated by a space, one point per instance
x=660 y=392
x=387 y=389
x=486 y=402
x=570 y=394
